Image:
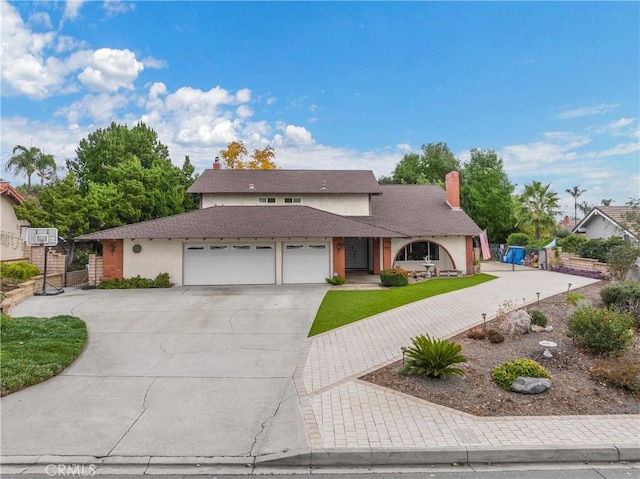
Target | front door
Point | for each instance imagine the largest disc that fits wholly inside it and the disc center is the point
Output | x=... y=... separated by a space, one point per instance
x=356 y=253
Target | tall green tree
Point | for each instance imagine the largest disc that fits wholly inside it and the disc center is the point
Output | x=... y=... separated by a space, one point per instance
x=428 y=167
x=606 y=201
x=138 y=166
x=486 y=194
x=575 y=193
x=585 y=207
x=31 y=160
x=538 y=207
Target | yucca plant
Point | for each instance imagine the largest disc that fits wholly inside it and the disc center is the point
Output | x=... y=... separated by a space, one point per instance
x=433 y=358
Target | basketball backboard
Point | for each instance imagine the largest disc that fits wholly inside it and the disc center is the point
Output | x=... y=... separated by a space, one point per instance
x=42 y=236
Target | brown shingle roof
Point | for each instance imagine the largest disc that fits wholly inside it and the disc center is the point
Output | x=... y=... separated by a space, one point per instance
x=246 y=222
x=418 y=210
x=286 y=181
x=617 y=214
x=9 y=191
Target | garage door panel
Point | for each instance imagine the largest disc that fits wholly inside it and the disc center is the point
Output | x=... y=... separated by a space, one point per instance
x=233 y=263
x=305 y=262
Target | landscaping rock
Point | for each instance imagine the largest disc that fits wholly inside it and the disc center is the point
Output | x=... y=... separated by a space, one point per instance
x=537 y=329
x=548 y=329
x=517 y=322
x=525 y=385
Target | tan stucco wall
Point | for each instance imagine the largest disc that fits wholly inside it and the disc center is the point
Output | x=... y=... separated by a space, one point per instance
x=454 y=245
x=166 y=256
x=347 y=204
x=11 y=245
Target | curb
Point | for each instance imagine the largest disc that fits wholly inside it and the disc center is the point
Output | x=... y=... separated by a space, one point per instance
x=349 y=457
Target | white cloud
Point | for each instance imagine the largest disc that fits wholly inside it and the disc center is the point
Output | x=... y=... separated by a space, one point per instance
x=40 y=18
x=243 y=95
x=98 y=108
x=271 y=100
x=116 y=7
x=111 y=70
x=404 y=147
x=150 y=62
x=156 y=90
x=616 y=128
x=621 y=149
x=587 y=110
x=72 y=9
x=293 y=135
x=243 y=111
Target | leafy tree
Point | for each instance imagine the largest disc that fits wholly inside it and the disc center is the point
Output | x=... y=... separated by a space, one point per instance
x=235 y=157
x=631 y=218
x=621 y=259
x=575 y=192
x=29 y=161
x=606 y=201
x=429 y=167
x=138 y=166
x=537 y=210
x=485 y=194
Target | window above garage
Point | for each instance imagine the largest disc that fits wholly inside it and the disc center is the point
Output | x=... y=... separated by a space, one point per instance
x=269 y=199
x=292 y=200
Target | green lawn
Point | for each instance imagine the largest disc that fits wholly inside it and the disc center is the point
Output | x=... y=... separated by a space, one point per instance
x=343 y=307
x=35 y=349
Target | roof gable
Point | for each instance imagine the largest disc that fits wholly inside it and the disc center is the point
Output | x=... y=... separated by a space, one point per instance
x=10 y=192
x=616 y=215
x=286 y=181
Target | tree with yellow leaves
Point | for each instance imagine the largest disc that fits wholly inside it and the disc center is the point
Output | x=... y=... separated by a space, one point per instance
x=235 y=157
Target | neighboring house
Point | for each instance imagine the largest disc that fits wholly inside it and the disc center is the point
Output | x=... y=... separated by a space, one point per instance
x=567 y=224
x=11 y=228
x=605 y=222
x=295 y=226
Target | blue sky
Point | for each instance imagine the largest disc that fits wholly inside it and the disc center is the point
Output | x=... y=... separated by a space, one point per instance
x=554 y=88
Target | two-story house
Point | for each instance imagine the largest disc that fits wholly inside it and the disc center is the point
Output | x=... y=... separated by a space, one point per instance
x=295 y=226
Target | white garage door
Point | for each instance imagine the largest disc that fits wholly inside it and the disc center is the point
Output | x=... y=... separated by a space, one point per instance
x=231 y=263
x=305 y=262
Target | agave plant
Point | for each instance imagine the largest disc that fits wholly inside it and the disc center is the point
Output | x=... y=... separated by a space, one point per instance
x=433 y=358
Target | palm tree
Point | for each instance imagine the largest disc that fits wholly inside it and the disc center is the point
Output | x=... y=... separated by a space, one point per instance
x=29 y=161
x=606 y=202
x=537 y=209
x=45 y=167
x=575 y=192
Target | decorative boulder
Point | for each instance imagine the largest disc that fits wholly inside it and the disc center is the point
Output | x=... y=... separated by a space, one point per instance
x=526 y=385
x=537 y=329
x=517 y=322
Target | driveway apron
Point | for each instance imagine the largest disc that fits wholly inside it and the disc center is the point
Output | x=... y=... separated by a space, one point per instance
x=186 y=371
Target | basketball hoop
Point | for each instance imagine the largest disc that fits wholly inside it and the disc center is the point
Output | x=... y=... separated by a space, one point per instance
x=44 y=237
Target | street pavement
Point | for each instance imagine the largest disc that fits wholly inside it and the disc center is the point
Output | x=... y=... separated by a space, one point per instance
x=212 y=378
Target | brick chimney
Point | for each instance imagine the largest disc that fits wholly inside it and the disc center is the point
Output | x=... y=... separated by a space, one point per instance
x=452 y=188
x=216 y=164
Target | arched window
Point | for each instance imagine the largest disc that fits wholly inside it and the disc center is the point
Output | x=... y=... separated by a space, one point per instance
x=419 y=251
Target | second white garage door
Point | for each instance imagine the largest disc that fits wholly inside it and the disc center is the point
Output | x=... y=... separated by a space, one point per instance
x=231 y=263
x=305 y=262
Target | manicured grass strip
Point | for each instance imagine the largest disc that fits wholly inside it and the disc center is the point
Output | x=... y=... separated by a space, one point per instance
x=35 y=349
x=343 y=307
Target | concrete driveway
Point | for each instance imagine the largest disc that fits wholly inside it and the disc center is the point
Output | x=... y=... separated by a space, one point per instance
x=186 y=371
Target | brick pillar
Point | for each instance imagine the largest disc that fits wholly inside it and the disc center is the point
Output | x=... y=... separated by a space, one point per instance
x=386 y=253
x=338 y=256
x=376 y=256
x=112 y=259
x=469 y=255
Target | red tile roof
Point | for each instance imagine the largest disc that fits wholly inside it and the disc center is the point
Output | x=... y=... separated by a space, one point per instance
x=11 y=192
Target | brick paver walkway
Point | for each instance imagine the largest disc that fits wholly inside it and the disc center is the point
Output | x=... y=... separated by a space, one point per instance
x=343 y=412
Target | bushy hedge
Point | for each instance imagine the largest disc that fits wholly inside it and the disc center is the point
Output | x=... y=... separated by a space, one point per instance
x=518 y=239
x=394 y=277
x=505 y=373
x=161 y=281
x=625 y=297
x=579 y=272
x=600 y=330
x=598 y=248
x=572 y=244
x=19 y=270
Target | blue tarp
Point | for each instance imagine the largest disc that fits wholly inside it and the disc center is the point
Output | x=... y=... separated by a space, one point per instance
x=514 y=255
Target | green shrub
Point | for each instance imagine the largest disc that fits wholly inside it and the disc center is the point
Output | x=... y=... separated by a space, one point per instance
x=619 y=293
x=19 y=270
x=538 y=318
x=621 y=259
x=573 y=298
x=598 y=248
x=518 y=239
x=505 y=373
x=618 y=374
x=572 y=244
x=336 y=280
x=601 y=331
x=136 y=282
x=494 y=336
x=394 y=277
x=433 y=358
